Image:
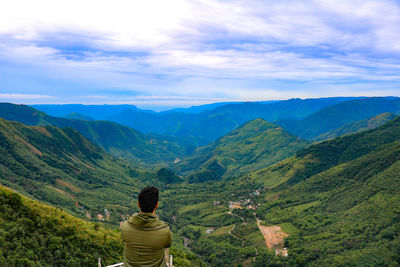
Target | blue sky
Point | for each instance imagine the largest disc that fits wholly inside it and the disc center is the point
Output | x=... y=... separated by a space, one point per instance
x=182 y=53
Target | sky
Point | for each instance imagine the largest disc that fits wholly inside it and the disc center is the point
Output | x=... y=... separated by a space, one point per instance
x=163 y=54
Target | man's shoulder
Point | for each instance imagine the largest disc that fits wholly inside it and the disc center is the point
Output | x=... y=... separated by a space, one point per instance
x=145 y=223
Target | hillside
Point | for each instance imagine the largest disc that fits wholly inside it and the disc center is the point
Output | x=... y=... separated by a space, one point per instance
x=322 y=156
x=335 y=116
x=337 y=200
x=61 y=167
x=34 y=234
x=343 y=212
x=120 y=141
x=252 y=146
x=358 y=126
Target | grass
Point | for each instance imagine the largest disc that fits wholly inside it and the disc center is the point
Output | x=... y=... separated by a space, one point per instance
x=222 y=230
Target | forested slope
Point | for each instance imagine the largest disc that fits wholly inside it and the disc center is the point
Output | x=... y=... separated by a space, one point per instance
x=358 y=126
x=335 y=116
x=34 y=234
x=119 y=140
x=339 y=200
x=254 y=145
x=63 y=168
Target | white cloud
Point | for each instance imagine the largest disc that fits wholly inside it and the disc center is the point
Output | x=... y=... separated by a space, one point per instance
x=10 y=97
x=226 y=47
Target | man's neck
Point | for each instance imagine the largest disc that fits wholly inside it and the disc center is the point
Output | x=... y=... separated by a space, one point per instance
x=153 y=213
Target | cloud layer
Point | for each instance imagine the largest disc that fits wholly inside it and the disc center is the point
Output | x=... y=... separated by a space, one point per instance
x=197 y=51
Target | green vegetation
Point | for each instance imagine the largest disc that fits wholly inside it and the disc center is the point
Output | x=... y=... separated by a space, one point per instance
x=33 y=234
x=254 y=145
x=63 y=168
x=342 y=208
x=338 y=200
x=118 y=140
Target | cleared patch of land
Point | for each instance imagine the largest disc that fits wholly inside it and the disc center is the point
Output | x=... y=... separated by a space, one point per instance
x=273 y=235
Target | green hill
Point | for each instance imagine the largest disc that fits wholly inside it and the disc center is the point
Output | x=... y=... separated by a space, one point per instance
x=34 y=234
x=322 y=156
x=339 y=199
x=252 y=146
x=120 y=141
x=335 y=116
x=358 y=126
x=63 y=168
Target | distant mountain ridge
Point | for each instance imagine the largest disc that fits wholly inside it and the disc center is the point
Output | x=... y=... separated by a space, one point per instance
x=209 y=124
x=358 y=126
x=337 y=115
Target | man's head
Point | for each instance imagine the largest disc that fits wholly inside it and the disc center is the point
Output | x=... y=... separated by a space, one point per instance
x=148 y=199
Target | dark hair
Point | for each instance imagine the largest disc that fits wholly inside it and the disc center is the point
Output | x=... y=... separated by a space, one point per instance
x=148 y=199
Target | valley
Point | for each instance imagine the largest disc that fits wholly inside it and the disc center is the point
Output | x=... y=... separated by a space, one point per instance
x=253 y=193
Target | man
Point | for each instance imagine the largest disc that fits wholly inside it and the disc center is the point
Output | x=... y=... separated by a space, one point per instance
x=145 y=236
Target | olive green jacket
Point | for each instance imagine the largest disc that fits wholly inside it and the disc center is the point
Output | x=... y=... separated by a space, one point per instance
x=145 y=239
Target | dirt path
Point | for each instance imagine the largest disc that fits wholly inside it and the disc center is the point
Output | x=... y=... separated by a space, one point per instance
x=273 y=235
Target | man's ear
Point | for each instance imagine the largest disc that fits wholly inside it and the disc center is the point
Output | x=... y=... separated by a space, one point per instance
x=156 y=205
x=138 y=204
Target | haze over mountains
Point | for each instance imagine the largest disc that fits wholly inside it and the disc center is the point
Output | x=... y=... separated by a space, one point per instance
x=206 y=125
x=224 y=171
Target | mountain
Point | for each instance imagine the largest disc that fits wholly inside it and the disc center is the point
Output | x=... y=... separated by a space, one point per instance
x=63 y=168
x=358 y=126
x=211 y=124
x=78 y=116
x=335 y=202
x=198 y=109
x=97 y=112
x=335 y=116
x=120 y=141
x=338 y=200
x=34 y=234
x=256 y=144
x=322 y=156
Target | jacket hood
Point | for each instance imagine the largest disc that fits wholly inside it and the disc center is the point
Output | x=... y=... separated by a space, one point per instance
x=146 y=221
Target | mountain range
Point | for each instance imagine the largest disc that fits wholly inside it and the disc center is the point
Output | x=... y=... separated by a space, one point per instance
x=206 y=125
x=119 y=140
x=336 y=116
x=326 y=175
